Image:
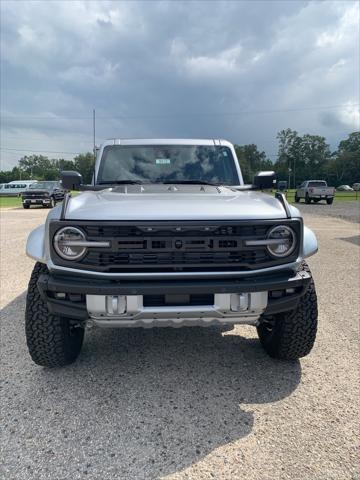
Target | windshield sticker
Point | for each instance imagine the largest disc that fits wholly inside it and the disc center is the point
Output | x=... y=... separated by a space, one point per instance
x=163 y=161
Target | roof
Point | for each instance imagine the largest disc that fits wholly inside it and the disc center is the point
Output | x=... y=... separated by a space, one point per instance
x=166 y=141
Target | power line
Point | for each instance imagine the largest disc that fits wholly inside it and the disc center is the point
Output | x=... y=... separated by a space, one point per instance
x=188 y=114
x=37 y=151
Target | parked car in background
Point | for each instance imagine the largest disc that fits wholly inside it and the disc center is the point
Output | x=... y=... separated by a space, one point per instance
x=344 y=188
x=43 y=193
x=15 y=188
x=282 y=185
x=356 y=187
x=315 y=190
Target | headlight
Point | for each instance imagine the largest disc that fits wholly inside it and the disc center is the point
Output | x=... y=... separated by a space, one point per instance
x=281 y=241
x=69 y=243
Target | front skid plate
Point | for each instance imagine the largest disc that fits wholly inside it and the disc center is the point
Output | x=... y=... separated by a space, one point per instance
x=118 y=311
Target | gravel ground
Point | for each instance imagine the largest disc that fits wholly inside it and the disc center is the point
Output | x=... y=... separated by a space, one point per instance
x=346 y=210
x=188 y=403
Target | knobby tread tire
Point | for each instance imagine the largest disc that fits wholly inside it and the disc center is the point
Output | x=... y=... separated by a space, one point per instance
x=293 y=334
x=51 y=340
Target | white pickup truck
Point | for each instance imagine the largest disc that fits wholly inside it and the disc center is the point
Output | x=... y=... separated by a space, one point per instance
x=315 y=190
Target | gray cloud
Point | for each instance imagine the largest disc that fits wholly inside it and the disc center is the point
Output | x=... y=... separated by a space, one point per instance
x=236 y=70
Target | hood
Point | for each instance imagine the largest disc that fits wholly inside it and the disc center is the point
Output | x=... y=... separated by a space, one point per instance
x=173 y=202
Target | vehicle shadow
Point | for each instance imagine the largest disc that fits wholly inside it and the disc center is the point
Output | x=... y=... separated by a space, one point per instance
x=140 y=403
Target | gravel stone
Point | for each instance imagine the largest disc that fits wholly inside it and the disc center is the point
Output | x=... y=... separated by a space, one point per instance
x=346 y=210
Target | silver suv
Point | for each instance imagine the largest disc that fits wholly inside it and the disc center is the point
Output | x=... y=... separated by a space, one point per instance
x=168 y=235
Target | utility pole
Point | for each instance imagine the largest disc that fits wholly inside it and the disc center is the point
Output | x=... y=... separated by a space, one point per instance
x=289 y=178
x=94 y=142
x=294 y=172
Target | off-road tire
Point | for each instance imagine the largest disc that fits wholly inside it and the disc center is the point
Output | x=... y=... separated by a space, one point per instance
x=307 y=199
x=52 y=341
x=329 y=201
x=26 y=206
x=291 y=335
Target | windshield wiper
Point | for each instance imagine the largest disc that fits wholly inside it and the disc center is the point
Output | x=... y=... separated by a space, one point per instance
x=122 y=182
x=191 y=182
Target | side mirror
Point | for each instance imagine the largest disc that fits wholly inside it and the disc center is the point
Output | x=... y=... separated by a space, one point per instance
x=265 y=180
x=71 y=180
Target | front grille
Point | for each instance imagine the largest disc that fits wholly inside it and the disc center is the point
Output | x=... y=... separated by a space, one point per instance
x=181 y=247
x=191 y=261
x=34 y=196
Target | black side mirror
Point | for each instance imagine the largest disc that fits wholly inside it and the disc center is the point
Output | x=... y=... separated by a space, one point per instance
x=265 y=180
x=71 y=180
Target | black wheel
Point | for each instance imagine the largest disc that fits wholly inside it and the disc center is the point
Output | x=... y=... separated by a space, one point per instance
x=307 y=199
x=316 y=200
x=297 y=199
x=26 y=206
x=52 y=341
x=329 y=201
x=291 y=335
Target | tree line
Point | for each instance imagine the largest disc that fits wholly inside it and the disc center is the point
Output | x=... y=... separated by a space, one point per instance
x=300 y=157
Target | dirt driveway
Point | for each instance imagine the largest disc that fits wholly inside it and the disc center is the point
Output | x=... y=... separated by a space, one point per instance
x=189 y=403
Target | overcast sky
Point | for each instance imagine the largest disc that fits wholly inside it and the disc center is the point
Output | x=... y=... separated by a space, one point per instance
x=237 y=70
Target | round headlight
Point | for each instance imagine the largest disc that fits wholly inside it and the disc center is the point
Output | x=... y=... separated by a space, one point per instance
x=68 y=243
x=282 y=241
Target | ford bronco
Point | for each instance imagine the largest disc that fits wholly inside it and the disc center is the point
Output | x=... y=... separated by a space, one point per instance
x=167 y=234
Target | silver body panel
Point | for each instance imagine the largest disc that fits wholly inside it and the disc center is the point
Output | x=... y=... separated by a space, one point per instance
x=197 y=203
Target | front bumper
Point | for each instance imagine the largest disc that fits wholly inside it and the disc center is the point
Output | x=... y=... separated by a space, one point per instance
x=79 y=299
x=36 y=201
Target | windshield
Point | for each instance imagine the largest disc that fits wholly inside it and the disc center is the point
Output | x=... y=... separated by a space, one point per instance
x=317 y=184
x=42 y=185
x=174 y=163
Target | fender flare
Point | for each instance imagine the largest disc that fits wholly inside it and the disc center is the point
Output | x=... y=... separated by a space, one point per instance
x=35 y=245
x=310 y=243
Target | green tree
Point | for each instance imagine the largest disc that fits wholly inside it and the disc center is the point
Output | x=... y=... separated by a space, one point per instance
x=252 y=161
x=39 y=167
x=84 y=164
x=301 y=157
x=344 y=166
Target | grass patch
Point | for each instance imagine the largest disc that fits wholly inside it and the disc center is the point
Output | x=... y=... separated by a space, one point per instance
x=10 y=202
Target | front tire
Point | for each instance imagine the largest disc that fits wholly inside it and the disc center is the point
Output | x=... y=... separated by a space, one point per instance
x=297 y=199
x=307 y=199
x=52 y=341
x=329 y=201
x=291 y=335
x=26 y=206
